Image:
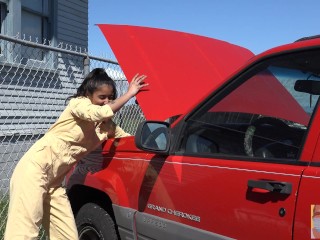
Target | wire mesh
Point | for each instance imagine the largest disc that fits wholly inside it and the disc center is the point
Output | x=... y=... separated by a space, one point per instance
x=35 y=80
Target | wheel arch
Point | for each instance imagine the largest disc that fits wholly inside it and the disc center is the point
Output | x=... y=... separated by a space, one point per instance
x=79 y=195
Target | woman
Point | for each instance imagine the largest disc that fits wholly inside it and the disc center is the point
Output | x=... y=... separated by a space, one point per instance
x=36 y=193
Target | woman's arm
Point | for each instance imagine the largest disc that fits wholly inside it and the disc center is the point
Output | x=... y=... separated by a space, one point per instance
x=134 y=87
x=85 y=110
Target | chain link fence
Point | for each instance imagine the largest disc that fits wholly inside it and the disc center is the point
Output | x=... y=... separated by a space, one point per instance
x=35 y=80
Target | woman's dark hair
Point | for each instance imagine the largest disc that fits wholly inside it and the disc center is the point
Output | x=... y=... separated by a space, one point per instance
x=92 y=81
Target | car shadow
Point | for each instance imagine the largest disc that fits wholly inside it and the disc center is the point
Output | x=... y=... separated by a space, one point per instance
x=150 y=177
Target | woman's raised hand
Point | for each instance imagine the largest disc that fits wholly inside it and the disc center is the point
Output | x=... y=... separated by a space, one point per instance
x=137 y=84
x=134 y=87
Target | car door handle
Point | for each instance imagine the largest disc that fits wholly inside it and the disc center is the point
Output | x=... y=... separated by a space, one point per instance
x=271 y=186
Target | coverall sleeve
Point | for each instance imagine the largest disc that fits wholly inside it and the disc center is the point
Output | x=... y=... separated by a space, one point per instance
x=85 y=110
x=114 y=131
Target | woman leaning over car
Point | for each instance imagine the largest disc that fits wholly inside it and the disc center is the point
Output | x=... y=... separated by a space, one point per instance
x=36 y=194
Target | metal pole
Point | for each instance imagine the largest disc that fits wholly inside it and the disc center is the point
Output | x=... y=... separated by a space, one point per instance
x=55 y=49
x=86 y=65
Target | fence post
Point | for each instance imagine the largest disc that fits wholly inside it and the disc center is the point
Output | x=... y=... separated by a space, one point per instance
x=86 y=65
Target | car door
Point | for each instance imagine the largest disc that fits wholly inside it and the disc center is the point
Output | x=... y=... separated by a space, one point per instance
x=237 y=160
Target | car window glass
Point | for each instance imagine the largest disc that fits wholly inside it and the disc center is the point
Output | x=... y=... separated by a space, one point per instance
x=265 y=116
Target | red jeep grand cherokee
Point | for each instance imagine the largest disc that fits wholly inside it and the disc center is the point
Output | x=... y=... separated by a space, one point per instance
x=241 y=160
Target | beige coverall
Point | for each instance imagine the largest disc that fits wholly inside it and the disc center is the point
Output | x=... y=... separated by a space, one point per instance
x=36 y=195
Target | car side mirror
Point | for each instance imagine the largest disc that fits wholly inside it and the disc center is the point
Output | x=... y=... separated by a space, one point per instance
x=153 y=136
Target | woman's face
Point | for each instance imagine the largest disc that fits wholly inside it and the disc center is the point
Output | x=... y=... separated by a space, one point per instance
x=102 y=95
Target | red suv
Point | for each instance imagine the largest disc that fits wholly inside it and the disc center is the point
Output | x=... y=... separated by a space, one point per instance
x=240 y=159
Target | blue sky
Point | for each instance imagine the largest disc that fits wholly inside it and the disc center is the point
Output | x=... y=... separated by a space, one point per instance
x=256 y=25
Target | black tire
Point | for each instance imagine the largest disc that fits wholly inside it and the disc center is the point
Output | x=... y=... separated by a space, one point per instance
x=94 y=223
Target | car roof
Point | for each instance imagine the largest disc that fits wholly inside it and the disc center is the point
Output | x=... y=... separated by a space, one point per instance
x=182 y=68
x=302 y=43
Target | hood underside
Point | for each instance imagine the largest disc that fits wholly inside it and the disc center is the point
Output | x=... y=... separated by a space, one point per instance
x=182 y=68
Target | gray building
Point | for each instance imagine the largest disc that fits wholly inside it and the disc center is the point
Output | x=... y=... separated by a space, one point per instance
x=54 y=20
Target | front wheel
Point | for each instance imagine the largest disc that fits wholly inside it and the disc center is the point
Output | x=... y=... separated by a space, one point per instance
x=94 y=223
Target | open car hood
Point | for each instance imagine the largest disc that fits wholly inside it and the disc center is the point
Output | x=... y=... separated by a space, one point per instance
x=182 y=68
